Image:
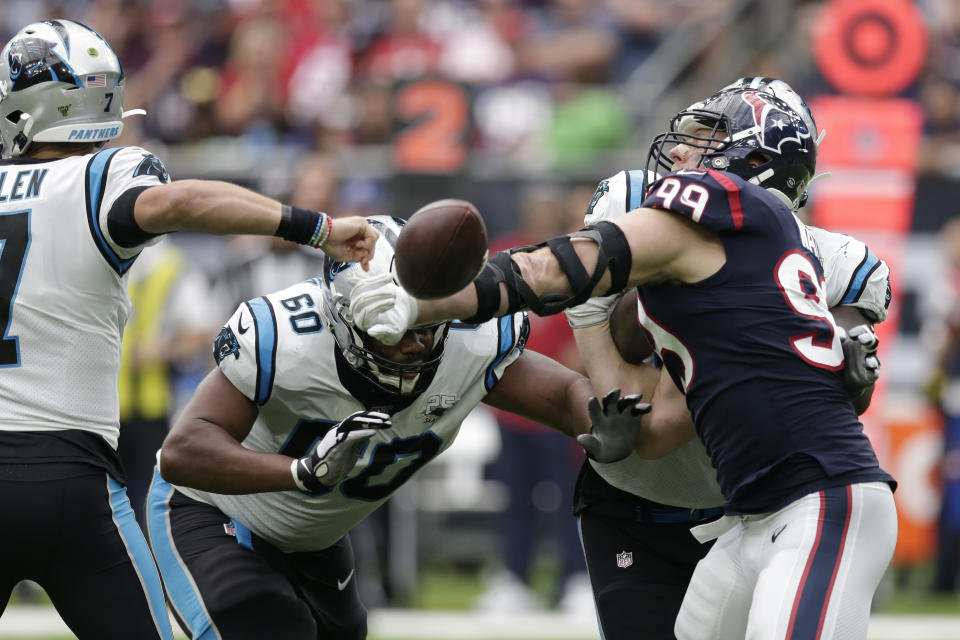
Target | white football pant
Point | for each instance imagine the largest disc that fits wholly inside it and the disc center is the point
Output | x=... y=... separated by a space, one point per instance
x=806 y=572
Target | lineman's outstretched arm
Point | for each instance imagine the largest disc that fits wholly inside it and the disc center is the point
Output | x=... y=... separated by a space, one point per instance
x=668 y=425
x=646 y=245
x=541 y=389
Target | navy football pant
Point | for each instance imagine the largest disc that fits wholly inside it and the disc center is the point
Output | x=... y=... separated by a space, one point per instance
x=225 y=583
x=69 y=527
x=640 y=600
x=640 y=556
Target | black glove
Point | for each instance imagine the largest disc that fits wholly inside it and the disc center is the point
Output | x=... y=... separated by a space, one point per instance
x=336 y=454
x=862 y=366
x=614 y=428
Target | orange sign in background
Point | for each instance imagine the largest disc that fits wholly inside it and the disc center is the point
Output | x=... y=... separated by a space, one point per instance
x=870 y=50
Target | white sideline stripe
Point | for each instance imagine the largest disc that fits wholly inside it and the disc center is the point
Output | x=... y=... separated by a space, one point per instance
x=38 y=620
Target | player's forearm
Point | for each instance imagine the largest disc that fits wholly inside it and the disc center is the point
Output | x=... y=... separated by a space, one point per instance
x=669 y=424
x=539 y=269
x=607 y=369
x=202 y=455
x=543 y=390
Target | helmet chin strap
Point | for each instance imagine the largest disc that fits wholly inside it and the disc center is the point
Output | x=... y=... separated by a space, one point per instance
x=782 y=197
x=21 y=140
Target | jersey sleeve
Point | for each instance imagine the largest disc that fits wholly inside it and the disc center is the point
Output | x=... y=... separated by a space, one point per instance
x=854 y=276
x=113 y=172
x=246 y=349
x=710 y=198
x=512 y=334
x=617 y=195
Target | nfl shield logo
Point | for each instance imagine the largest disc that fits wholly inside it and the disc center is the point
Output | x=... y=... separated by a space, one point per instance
x=624 y=559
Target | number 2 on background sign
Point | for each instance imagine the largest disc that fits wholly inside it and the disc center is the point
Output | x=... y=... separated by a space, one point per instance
x=14 y=242
x=436 y=118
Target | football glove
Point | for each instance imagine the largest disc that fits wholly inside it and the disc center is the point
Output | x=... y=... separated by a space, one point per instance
x=614 y=426
x=337 y=453
x=383 y=309
x=862 y=366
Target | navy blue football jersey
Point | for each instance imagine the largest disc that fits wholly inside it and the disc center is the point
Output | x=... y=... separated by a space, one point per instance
x=754 y=346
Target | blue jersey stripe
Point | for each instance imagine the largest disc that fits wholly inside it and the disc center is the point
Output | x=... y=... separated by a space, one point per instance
x=266 y=324
x=859 y=280
x=813 y=595
x=181 y=589
x=140 y=555
x=505 y=331
x=636 y=188
x=96 y=184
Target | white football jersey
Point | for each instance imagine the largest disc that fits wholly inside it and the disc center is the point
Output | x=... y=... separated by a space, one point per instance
x=281 y=356
x=685 y=477
x=63 y=297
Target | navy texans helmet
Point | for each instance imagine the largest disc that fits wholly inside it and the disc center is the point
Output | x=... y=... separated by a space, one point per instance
x=768 y=140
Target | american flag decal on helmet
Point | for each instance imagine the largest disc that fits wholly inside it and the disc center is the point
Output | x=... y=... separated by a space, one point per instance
x=624 y=559
x=96 y=80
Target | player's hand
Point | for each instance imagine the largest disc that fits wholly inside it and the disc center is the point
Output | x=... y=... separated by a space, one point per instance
x=591 y=313
x=862 y=366
x=336 y=454
x=351 y=240
x=614 y=426
x=383 y=309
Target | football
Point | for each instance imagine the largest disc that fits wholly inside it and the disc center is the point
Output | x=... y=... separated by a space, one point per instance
x=441 y=249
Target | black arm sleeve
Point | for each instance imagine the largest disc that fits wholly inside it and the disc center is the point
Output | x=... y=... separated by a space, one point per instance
x=122 y=225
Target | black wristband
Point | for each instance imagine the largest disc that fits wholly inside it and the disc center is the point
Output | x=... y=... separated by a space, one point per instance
x=299 y=225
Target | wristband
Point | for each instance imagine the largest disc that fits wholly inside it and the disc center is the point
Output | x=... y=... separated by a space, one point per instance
x=304 y=226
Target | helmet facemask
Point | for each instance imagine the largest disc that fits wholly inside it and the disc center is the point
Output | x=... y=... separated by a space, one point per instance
x=763 y=140
x=399 y=378
x=404 y=379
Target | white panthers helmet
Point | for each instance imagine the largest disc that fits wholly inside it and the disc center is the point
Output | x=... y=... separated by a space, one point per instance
x=397 y=379
x=59 y=82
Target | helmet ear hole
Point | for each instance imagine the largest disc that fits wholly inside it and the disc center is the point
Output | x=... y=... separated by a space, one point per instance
x=757 y=159
x=14 y=116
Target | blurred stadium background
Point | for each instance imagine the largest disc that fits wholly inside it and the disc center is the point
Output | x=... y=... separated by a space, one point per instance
x=380 y=106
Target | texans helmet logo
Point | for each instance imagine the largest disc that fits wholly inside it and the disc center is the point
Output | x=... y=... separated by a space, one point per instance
x=776 y=122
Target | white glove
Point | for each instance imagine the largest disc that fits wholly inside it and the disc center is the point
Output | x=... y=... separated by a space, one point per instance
x=337 y=453
x=383 y=308
x=862 y=366
x=591 y=313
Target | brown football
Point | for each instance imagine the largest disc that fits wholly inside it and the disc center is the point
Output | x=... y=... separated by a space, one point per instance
x=441 y=249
